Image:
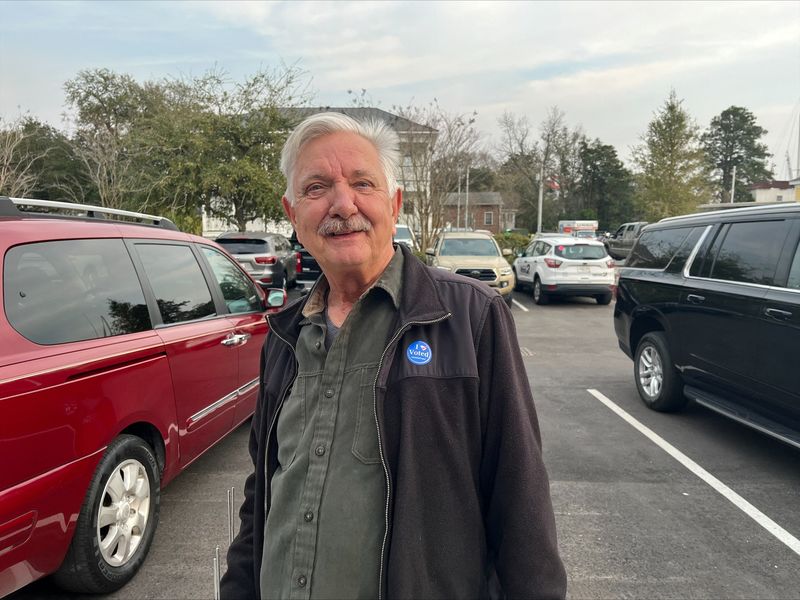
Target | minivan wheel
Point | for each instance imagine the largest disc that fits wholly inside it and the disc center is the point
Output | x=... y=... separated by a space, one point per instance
x=539 y=296
x=117 y=520
x=603 y=299
x=659 y=384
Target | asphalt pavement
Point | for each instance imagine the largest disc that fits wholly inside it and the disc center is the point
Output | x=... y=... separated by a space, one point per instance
x=648 y=505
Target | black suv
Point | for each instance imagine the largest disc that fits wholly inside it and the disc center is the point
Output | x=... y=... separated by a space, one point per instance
x=708 y=308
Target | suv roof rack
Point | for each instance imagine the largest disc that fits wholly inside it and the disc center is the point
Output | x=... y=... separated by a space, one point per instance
x=9 y=207
x=766 y=207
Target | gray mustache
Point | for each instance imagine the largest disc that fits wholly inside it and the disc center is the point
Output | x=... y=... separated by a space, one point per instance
x=335 y=225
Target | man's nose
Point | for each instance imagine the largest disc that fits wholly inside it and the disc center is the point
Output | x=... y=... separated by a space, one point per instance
x=343 y=203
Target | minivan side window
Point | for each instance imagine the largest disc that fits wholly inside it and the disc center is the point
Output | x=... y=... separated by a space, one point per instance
x=655 y=249
x=748 y=252
x=181 y=290
x=73 y=290
x=237 y=289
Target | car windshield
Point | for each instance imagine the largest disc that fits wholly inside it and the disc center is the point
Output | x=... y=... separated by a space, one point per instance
x=468 y=247
x=403 y=233
x=244 y=246
x=580 y=251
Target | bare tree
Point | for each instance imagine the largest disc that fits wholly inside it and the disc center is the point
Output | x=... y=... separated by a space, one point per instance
x=437 y=148
x=18 y=175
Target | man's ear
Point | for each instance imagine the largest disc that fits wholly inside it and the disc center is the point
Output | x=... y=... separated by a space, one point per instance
x=397 y=203
x=289 y=210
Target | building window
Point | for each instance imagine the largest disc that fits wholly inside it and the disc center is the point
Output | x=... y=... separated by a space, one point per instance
x=488 y=218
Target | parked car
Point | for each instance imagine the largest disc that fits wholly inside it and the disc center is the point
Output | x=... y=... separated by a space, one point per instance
x=127 y=349
x=269 y=258
x=563 y=265
x=404 y=235
x=474 y=254
x=619 y=244
x=708 y=308
x=308 y=268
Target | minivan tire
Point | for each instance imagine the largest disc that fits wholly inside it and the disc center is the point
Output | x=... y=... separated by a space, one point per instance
x=128 y=464
x=603 y=299
x=659 y=384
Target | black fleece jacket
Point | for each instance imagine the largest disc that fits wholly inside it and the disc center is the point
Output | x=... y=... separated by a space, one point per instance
x=468 y=510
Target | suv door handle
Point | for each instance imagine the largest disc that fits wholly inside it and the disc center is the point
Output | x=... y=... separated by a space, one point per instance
x=695 y=299
x=776 y=313
x=238 y=339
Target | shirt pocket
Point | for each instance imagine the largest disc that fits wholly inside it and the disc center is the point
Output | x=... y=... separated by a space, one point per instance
x=292 y=423
x=365 y=438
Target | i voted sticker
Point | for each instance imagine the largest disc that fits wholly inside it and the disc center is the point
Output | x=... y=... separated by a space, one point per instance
x=419 y=353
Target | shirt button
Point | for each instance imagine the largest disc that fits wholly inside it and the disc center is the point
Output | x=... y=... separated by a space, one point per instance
x=318 y=345
x=319 y=450
x=309 y=516
x=329 y=393
x=301 y=581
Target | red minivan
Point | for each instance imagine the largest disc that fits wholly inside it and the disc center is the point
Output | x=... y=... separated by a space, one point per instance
x=127 y=349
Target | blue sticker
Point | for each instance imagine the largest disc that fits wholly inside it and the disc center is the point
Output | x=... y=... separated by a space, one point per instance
x=419 y=353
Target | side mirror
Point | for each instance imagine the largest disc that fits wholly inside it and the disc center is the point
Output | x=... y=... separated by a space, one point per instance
x=506 y=252
x=429 y=251
x=275 y=298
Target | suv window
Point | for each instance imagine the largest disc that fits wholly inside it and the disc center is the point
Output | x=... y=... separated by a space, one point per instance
x=73 y=290
x=745 y=252
x=654 y=249
x=239 y=246
x=580 y=252
x=794 y=272
x=181 y=290
x=237 y=289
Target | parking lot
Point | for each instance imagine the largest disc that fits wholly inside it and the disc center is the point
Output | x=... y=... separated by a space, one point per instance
x=648 y=505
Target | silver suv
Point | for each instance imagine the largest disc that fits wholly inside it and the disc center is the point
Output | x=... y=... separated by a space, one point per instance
x=268 y=257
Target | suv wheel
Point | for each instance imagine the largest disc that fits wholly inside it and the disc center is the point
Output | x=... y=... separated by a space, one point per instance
x=117 y=520
x=279 y=280
x=517 y=283
x=509 y=299
x=657 y=380
x=603 y=299
x=539 y=296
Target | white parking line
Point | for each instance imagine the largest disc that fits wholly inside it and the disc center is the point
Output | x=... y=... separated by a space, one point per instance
x=751 y=511
x=520 y=305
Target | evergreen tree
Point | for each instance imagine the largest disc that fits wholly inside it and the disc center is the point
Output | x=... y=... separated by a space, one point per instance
x=606 y=186
x=671 y=164
x=733 y=138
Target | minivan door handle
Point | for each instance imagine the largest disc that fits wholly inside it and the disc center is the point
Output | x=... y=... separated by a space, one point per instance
x=776 y=313
x=695 y=299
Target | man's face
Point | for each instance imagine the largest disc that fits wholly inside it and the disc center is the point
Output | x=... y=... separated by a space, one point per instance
x=343 y=213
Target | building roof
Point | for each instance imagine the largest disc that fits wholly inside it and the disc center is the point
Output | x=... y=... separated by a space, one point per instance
x=770 y=185
x=399 y=124
x=475 y=199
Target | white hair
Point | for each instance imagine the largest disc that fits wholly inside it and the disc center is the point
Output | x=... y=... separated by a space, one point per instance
x=378 y=133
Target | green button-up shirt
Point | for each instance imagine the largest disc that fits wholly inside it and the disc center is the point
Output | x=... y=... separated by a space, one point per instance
x=325 y=526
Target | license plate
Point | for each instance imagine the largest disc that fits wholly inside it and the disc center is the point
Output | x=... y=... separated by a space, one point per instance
x=584 y=269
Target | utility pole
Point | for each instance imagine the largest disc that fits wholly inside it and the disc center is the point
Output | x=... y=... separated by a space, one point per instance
x=458 y=201
x=541 y=195
x=466 y=206
x=733 y=182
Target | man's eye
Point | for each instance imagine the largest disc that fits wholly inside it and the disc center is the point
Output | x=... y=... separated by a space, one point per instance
x=315 y=189
x=363 y=185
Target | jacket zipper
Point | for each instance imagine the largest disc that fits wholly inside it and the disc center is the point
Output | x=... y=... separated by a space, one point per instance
x=275 y=419
x=396 y=336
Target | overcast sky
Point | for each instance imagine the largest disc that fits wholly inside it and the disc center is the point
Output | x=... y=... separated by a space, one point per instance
x=608 y=66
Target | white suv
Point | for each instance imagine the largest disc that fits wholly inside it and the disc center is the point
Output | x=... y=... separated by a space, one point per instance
x=565 y=266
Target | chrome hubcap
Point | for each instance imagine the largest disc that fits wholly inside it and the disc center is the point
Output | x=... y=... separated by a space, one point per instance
x=123 y=514
x=651 y=373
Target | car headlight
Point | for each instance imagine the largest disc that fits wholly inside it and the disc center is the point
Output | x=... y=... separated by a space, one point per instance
x=445 y=268
x=506 y=271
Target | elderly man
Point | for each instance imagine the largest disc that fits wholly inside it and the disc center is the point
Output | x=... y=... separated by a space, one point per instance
x=395 y=442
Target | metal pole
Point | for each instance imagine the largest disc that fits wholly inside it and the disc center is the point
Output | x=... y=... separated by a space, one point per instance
x=216 y=574
x=458 y=210
x=466 y=209
x=541 y=196
x=231 y=514
x=733 y=182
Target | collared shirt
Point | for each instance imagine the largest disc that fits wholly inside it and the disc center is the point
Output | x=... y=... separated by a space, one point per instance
x=325 y=526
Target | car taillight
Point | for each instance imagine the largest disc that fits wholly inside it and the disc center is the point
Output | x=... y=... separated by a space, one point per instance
x=610 y=263
x=299 y=264
x=552 y=263
x=265 y=260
